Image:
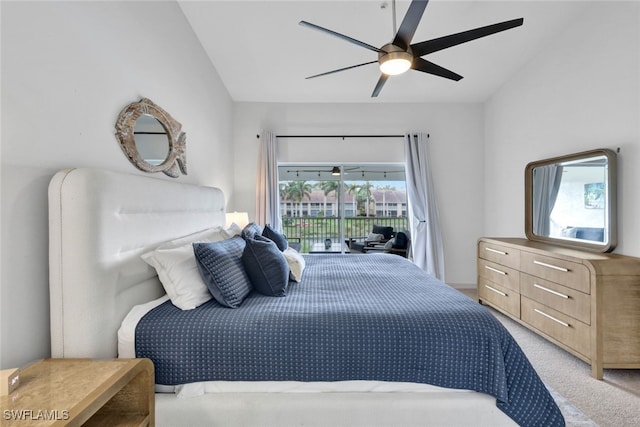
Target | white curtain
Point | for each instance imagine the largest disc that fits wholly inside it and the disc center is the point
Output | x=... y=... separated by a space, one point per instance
x=426 y=238
x=267 y=197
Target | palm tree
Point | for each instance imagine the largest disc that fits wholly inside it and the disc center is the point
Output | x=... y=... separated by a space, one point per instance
x=362 y=195
x=282 y=190
x=353 y=189
x=366 y=196
x=327 y=188
x=296 y=191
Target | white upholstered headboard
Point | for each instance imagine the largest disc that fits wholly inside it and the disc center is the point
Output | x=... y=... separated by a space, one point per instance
x=100 y=222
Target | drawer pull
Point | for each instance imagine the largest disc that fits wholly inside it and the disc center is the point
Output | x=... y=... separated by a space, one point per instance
x=495 y=270
x=551 y=291
x=555 y=267
x=495 y=251
x=495 y=290
x=551 y=317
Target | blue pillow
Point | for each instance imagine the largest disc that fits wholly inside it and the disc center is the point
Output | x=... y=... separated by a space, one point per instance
x=266 y=266
x=251 y=230
x=221 y=268
x=279 y=238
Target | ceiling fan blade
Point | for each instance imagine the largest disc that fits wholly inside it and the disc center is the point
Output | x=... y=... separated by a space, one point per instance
x=410 y=23
x=341 y=69
x=381 y=81
x=430 y=46
x=425 y=66
x=338 y=35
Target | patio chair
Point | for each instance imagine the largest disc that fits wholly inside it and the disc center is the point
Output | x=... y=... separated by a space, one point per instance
x=399 y=245
x=380 y=234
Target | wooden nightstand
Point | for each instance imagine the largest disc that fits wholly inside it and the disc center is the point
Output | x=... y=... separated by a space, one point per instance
x=75 y=392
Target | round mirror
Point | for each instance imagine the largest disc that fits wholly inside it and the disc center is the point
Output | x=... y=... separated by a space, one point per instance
x=152 y=139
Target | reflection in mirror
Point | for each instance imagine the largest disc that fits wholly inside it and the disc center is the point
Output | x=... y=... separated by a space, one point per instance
x=151 y=140
x=570 y=200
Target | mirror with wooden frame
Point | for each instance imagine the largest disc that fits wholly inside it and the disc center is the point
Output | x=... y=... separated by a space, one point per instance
x=571 y=200
x=151 y=139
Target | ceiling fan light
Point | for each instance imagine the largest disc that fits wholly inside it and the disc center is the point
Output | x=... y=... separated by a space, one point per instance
x=394 y=63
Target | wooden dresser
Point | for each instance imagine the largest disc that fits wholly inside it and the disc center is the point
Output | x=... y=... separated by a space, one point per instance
x=587 y=303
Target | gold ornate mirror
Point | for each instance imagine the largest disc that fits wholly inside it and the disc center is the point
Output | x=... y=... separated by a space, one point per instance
x=151 y=139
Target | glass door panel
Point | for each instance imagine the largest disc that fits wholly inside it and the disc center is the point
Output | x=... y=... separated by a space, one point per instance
x=325 y=207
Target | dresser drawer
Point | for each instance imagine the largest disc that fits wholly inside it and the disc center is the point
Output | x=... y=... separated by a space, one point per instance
x=566 y=300
x=567 y=273
x=563 y=328
x=503 y=298
x=499 y=254
x=500 y=274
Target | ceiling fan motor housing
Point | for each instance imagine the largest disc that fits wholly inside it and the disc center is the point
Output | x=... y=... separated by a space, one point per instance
x=391 y=53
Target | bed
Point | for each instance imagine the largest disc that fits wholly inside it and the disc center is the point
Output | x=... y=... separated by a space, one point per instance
x=386 y=363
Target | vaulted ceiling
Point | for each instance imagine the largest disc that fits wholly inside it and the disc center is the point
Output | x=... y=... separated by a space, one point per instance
x=263 y=55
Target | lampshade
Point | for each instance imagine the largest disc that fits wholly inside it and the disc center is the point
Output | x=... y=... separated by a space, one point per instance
x=239 y=218
x=335 y=171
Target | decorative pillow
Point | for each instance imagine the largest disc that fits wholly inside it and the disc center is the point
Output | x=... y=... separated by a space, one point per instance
x=266 y=267
x=233 y=230
x=374 y=237
x=390 y=244
x=279 y=238
x=178 y=272
x=220 y=265
x=386 y=231
x=251 y=230
x=296 y=263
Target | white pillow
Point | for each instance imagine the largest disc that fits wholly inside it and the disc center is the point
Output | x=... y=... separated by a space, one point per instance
x=180 y=277
x=374 y=237
x=233 y=230
x=175 y=263
x=296 y=263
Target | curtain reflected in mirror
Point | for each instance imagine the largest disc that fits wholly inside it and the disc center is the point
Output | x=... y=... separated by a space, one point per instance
x=546 y=184
x=570 y=200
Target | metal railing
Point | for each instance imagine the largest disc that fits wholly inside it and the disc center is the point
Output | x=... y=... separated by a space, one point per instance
x=309 y=230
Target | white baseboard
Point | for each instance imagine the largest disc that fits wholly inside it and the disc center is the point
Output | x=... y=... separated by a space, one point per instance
x=462 y=285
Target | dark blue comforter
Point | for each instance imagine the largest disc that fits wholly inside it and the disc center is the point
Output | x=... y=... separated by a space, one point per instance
x=355 y=317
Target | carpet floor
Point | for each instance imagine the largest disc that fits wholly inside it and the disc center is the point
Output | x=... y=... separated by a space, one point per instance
x=584 y=401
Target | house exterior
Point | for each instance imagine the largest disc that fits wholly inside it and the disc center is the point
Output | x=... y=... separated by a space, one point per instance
x=68 y=68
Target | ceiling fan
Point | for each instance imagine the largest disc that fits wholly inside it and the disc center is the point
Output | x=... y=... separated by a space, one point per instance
x=400 y=55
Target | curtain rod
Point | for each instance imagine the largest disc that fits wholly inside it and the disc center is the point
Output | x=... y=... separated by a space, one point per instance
x=340 y=136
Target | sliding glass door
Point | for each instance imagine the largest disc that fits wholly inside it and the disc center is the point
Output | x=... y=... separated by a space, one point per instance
x=324 y=207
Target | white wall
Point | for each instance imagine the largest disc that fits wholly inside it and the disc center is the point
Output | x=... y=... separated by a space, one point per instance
x=68 y=68
x=456 y=149
x=581 y=92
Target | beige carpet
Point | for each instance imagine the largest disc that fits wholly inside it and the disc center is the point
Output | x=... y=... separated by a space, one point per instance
x=612 y=402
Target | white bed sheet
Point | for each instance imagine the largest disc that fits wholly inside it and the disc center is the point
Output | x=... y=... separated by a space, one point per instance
x=126 y=349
